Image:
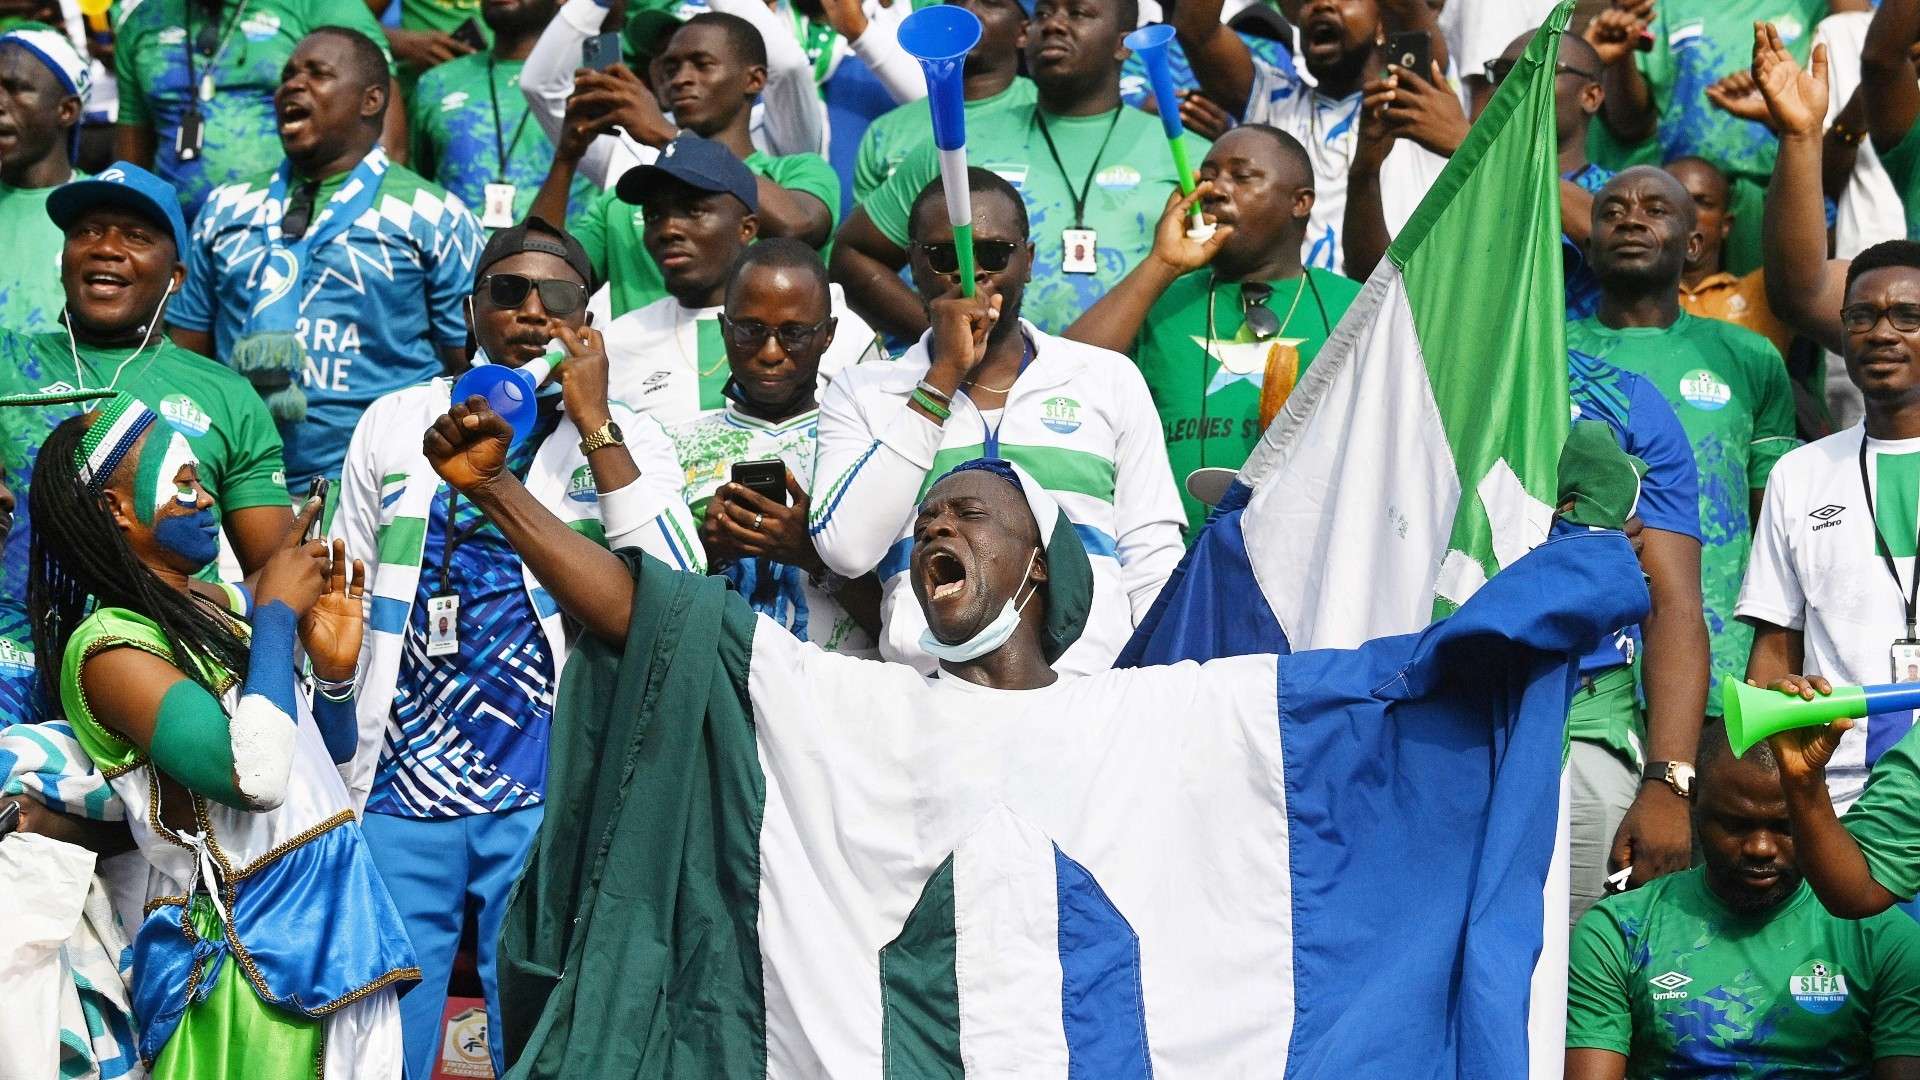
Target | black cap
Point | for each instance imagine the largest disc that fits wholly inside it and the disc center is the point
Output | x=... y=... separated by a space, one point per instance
x=699 y=163
x=535 y=234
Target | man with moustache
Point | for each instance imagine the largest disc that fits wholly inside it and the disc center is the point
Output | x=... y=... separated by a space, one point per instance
x=1734 y=965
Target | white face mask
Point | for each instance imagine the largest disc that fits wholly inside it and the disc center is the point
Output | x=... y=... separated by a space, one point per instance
x=990 y=637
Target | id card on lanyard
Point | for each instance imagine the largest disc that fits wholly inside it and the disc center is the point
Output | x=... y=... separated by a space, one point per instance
x=1079 y=246
x=1903 y=654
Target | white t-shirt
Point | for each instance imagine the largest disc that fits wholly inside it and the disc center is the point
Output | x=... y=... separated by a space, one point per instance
x=1815 y=569
x=1329 y=129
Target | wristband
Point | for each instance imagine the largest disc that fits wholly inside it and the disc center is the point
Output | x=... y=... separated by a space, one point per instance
x=934 y=408
x=934 y=392
x=340 y=696
x=331 y=687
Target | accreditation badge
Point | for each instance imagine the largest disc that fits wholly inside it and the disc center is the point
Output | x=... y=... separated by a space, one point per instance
x=1079 y=251
x=498 y=210
x=443 y=625
x=1906 y=659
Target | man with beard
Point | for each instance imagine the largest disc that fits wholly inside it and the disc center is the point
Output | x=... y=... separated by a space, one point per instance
x=1734 y=965
x=1094 y=173
x=472 y=130
x=987 y=382
x=1339 y=40
x=1224 y=328
x=338 y=277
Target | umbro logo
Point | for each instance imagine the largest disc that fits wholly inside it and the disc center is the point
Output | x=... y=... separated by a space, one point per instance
x=1672 y=985
x=1825 y=512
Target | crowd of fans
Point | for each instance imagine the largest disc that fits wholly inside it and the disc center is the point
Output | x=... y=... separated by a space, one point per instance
x=250 y=245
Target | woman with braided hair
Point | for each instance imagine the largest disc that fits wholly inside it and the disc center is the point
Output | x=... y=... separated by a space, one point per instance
x=270 y=947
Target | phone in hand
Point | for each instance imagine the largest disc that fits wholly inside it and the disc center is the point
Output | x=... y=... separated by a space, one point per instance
x=469 y=34
x=1412 y=50
x=601 y=51
x=316 y=490
x=766 y=478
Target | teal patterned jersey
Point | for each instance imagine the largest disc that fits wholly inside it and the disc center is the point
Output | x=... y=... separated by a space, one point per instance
x=151 y=47
x=1729 y=389
x=1684 y=987
x=378 y=299
x=452 y=124
x=30 y=293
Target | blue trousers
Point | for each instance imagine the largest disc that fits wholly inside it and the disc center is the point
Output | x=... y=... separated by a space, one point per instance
x=436 y=868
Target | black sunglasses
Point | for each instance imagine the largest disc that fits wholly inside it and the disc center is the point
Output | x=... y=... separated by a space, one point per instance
x=989 y=255
x=1860 y=318
x=1498 y=70
x=558 y=297
x=1253 y=308
x=749 y=335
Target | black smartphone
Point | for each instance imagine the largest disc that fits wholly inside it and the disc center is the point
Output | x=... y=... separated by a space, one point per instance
x=766 y=478
x=9 y=817
x=316 y=490
x=469 y=34
x=1412 y=51
x=601 y=51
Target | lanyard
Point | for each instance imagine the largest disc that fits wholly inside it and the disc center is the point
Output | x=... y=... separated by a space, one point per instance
x=501 y=147
x=1086 y=186
x=990 y=436
x=453 y=541
x=194 y=84
x=1912 y=597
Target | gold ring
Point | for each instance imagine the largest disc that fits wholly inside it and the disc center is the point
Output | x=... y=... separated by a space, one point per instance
x=757 y=519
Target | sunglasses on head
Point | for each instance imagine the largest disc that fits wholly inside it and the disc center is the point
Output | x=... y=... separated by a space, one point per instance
x=558 y=297
x=1253 y=308
x=989 y=255
x=749 y=335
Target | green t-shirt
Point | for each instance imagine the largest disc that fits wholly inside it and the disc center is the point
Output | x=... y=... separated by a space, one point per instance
x=451 y=125
x=1730 y=390
x=1885 y=819
x=1130 y=182
x=442 y=15
x=1683 y=986
x=612 y=231
x=31 y=296
x=1903 y=165
x=241 y=139
x=895 y=133
x=1206 y=381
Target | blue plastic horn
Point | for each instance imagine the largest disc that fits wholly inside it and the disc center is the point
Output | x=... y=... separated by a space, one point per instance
x=509 y=391
x=1151 y=43
x=940 y=37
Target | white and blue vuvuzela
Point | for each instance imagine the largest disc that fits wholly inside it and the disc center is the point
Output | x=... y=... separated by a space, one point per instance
x=940 y=38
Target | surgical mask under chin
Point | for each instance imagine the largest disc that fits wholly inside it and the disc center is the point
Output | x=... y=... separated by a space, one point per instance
x=989 y=637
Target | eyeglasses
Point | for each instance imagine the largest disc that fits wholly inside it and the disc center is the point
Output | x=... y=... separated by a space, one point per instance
x=750 y=335
x=557 y=296
x=1253 y=308
x=1498 y=70
x=989 y=255
x=1860 y=318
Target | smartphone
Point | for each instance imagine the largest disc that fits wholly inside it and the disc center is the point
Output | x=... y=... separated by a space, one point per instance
x=316 y=490
x=469 y=34
x=766 y=478
x=9 y=817
x=601 y=51
x=1412 y=51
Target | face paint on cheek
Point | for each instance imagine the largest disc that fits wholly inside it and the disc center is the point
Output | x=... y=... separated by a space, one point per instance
x=194 y=537
x=153 y=485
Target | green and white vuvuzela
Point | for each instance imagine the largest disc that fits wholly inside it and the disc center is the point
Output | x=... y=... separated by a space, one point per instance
x=940 y=38
x=1753 y=713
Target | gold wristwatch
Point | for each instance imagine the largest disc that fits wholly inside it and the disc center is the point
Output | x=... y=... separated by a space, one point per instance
x=607 y=434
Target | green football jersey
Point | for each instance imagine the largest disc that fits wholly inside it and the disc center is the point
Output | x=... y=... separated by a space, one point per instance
x=1683 y=986
x=894 y=134
x=31 y=297
x=1730 y=390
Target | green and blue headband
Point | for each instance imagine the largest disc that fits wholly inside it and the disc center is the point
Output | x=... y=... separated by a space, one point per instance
x=122 y=420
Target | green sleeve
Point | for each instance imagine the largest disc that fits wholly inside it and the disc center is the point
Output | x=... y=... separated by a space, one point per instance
x=1894 y=939
x=1773 y=426
x=891 y=201
x=1885 y=821
x=353 y=15
x=193 y=743
x=590 y=228
x=870 y=162
x=420 y=157
x=126 y=73
x=1900 y=161
x=256 y=475
x=1599 y=1007
x=812 y=174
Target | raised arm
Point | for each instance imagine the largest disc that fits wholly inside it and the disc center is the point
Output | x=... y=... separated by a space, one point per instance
x=1886 y=65
x=1220 y=60
x=1114 y=321
x=866 y=263
x=1628 y=109
x=1828 y=854
x=468 y=448
x=1364 y=237
x=1803 y=286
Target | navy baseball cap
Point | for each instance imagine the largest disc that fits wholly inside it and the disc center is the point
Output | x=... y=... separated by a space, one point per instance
x=121 y=186
x=699 y=163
